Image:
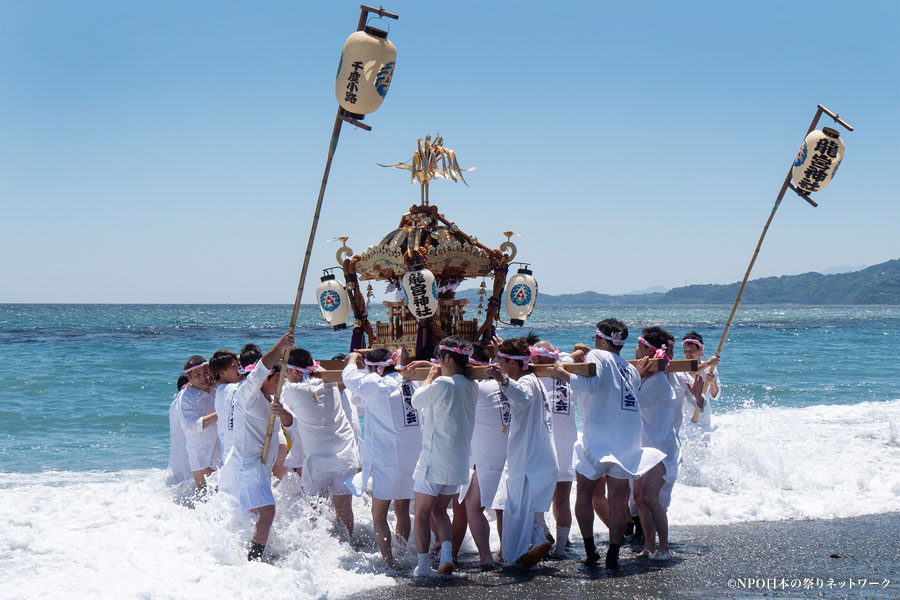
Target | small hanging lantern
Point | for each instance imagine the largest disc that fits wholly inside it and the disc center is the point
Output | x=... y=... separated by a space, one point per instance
x=521 y=294
x=365 y=71
x=818 y=159
x=333 y=301
x=420 y=290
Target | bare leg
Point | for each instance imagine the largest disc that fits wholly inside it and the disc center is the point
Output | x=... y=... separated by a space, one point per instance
x=264 y=524
x=478 y=524
x=584 y=514
x=403 y=525
x=382 y=530
x=424 y=503
x=618 y=508
x=343 y=508
x=562 y=510
x=653 y=515
x=458 y=526
x=601 y=504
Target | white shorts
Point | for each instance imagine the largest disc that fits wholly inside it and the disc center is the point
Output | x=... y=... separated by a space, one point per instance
x=596 y=470
x=315 y=482
x=435 y=489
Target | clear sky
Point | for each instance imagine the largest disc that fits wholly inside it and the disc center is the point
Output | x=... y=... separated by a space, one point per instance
x=172 y=151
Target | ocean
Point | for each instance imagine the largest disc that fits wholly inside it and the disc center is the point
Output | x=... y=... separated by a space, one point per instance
x=808 y=428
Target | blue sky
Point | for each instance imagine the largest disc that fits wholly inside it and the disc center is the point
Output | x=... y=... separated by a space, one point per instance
x=172 y=151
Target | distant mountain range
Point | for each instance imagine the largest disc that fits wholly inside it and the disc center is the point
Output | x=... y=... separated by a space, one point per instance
x=878 y=284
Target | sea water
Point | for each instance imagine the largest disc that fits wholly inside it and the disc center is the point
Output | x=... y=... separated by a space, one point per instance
x=808 y=427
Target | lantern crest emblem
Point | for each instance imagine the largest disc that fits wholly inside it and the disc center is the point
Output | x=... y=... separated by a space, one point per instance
x=520 y=294
x=330 y=300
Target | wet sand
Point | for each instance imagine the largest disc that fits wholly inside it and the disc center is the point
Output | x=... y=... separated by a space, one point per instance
x=839 y=558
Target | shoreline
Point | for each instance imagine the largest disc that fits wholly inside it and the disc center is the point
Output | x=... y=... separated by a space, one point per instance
x=833 y=558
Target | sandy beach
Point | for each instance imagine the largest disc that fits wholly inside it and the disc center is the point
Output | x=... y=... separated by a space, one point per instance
x=840 y=558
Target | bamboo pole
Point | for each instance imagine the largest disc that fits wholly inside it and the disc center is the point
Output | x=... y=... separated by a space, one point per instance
x=332 y=146
x=784 y=187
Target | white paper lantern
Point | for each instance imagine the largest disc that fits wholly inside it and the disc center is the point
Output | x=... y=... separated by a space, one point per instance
x=521 y=294
x=365 y=71
x=333 y=302
x=818 y=159
x=420 y=290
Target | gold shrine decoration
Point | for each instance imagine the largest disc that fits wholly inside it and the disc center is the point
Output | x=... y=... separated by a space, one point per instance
x=432 y=161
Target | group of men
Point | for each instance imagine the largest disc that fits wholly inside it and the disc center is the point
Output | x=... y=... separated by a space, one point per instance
x=508 y=443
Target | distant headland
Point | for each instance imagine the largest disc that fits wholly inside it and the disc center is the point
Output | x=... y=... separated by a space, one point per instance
x=878 y=284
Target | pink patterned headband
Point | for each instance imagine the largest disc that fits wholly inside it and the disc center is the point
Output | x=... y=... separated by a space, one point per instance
x=478 y=363
x=526 y=360
x=697 y=343
x=464 y=351
x=245 y=370
x=205 y=364
x=660 y=352
x=306 y=370
x=615 y=338
x=535 y=351
x=380 y=366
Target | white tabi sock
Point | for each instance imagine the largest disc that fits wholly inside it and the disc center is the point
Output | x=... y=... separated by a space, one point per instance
x=562 y=539
x=537 y=535
x=446 y=553
x=424 y=567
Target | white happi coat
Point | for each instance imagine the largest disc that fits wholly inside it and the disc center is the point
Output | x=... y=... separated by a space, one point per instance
x=529 y=479
x=321 y=426
x=179 y=468
x=611 y=418
x=447 y=406
x=202 y=442
x=703 y=426
x=353 y=417
x=224 y=399
x=489 y=440
x=392 y=437
x=565 y=433
x=243 y=476
x=660 y=415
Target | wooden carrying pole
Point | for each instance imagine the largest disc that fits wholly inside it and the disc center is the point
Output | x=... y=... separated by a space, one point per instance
x=784 y=187
x=335 y=134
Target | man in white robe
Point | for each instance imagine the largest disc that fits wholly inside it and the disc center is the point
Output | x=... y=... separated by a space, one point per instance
x=610 y=443
x=565 y=434
x=446 y=401
x=198 y=420
x=391 y=442
x=179 y=468
x=488 y=457
x=243 y=476
x=697 y=408
x=322 y=428
x=529 y=478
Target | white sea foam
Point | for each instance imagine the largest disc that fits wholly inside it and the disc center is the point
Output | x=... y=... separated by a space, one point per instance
x=127 y=535
x=770 y=464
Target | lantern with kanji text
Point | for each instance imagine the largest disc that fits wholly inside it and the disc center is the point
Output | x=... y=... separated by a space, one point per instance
x=420 y=290
x=818 y=159
x=365 y=71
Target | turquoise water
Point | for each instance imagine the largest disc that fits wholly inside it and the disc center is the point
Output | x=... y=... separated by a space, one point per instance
x=87 y=387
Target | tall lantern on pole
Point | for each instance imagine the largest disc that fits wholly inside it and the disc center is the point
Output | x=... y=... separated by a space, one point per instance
x=365 y=71
x=333 y=301
x=818 y=159
x=351 y=117
x=521 y=294
x=420 y=290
